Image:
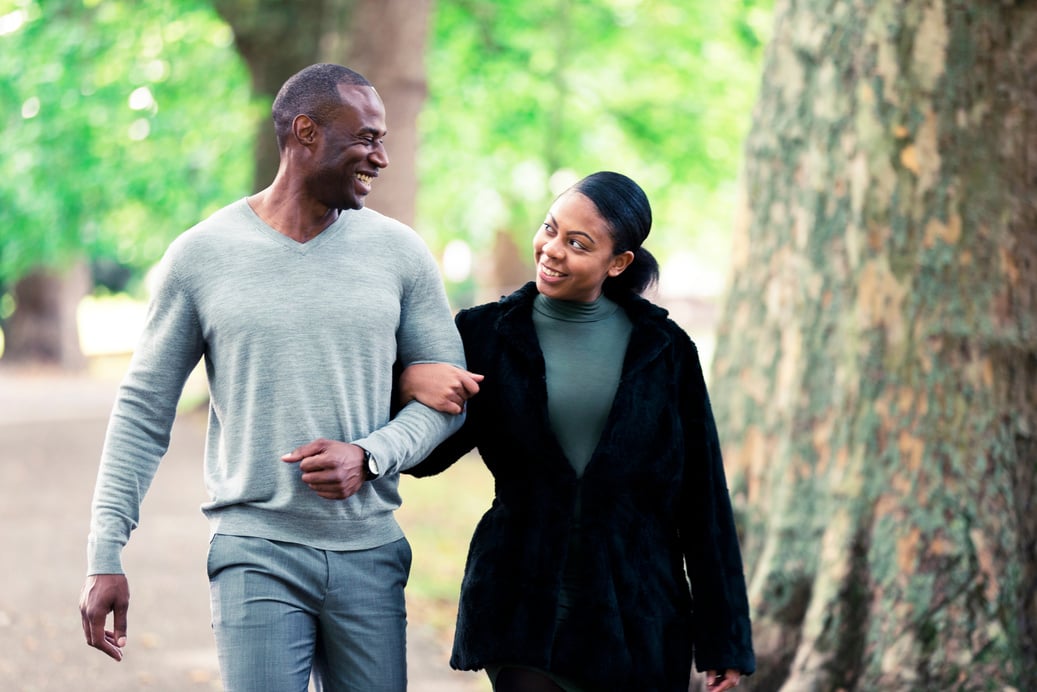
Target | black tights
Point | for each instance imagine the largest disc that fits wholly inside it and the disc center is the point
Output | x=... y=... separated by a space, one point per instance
x=522 y=680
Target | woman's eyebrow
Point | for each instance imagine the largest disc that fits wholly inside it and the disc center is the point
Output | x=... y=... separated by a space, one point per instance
x=586 y=235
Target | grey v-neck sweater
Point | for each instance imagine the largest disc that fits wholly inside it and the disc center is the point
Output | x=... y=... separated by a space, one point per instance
x=299 y=342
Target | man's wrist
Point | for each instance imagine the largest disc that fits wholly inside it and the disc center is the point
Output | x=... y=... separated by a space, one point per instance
x=371 y=469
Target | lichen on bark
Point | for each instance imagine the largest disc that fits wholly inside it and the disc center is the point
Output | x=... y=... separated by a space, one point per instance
x=877 y=354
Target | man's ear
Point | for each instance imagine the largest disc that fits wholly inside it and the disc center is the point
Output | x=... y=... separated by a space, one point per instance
x=304 y=129
x=620 y=262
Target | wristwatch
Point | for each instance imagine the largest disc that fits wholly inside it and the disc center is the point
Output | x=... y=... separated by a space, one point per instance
x=371 y=470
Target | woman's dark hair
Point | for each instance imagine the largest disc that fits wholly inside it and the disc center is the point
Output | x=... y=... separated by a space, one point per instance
x=626 y=211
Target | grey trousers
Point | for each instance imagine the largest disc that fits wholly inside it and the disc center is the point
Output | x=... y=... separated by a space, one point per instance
x=282 y=612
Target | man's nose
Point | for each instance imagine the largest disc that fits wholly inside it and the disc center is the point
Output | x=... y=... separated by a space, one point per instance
x=379 y=156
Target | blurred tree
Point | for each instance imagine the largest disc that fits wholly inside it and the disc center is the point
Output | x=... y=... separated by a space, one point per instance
x=113 y=144
x=102 y=180
x=382 y=39
x=527 y=96
x=877 y=356
x=524 y=96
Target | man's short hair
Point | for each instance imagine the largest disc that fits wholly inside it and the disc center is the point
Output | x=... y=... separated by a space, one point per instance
x=312 y=91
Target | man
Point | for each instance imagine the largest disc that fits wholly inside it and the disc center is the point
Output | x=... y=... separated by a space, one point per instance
x=300 y=300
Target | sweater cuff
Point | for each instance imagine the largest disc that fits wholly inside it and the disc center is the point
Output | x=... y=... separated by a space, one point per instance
x=381 y=456
x=103 y=557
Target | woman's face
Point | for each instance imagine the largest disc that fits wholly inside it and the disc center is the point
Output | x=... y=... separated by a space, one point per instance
x=573 y=251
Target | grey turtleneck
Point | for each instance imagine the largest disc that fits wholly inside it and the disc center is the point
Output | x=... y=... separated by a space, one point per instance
x=583 y=346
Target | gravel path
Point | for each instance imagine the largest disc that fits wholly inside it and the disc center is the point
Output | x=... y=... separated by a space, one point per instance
x=51 y=431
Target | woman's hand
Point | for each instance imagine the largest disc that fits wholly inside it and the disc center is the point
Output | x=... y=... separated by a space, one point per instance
x=441 y=386
x=718 y=682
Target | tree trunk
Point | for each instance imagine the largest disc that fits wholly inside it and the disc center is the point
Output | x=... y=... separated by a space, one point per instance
x=382 y=39
x=875 y=376
x=43 y=330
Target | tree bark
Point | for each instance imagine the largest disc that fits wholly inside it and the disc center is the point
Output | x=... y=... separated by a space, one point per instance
x=876 y=363
x=43 y=330
x=382 y=39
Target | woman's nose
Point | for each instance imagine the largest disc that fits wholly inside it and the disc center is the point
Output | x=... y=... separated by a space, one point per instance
x=553 y=247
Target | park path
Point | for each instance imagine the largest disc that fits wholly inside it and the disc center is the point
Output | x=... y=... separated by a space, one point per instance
x=51 y=431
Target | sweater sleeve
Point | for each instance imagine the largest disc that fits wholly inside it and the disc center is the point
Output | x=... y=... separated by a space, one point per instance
x=463 y=440
x=723 y=632
x=426 y=334
x=167 y=350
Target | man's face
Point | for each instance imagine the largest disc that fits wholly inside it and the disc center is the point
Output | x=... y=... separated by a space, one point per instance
x=350 y=151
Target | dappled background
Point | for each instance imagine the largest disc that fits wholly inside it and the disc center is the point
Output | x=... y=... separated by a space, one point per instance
x=845 y=209
x=127 y=122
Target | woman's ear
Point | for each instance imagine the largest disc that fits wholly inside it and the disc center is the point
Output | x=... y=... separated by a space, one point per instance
x=620 y=262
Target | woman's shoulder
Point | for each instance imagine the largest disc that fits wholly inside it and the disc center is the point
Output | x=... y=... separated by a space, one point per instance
x=644 y=313
x=494 y=310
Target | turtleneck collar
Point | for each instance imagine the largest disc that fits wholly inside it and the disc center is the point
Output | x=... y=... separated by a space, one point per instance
x=572 y=311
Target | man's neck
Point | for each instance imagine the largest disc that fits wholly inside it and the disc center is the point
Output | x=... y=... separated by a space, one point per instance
x=288 y=213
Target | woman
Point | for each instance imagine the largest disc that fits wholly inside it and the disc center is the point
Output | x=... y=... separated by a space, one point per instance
x=594 y=420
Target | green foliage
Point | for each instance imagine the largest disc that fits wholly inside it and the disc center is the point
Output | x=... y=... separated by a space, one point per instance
x=125 y=122
x=526 y=97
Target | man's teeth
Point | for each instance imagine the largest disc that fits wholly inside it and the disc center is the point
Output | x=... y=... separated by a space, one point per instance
x=550 y=272
x=365 y=179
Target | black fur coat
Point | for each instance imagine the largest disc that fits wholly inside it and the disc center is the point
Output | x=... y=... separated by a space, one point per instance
x=654 y=507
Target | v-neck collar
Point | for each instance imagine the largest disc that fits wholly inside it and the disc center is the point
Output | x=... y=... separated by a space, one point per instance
x=333 y=229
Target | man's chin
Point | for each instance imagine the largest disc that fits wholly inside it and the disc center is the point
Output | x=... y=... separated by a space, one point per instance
x=357 y=204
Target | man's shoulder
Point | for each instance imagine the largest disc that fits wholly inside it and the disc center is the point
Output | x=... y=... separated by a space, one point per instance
x=230 y=213
x=215 y=228
x=380 y=232
x=368 y=218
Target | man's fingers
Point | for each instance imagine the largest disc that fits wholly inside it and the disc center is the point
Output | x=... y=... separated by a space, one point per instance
x=307 y=450
x=97 y=636
x=120 y=622
x=103 y=594
x=111 y=645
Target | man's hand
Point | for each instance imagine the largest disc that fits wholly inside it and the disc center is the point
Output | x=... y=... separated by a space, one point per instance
x=718 y=682
x=103 y=594
x=334 y=470
x=441 y=386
